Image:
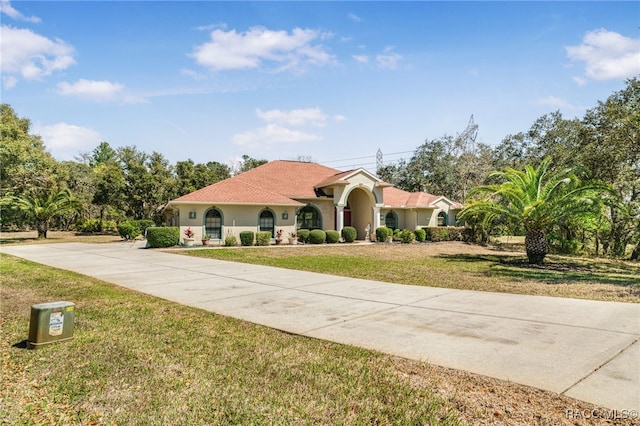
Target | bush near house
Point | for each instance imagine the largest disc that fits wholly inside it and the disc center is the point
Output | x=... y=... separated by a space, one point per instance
x=349 y=234
x=303 y=235
x=263 y=238
x=163 y=236
x=231 y=241
x=332 y=236
x=317 y=236
x=143 y=224
x=421 y=235
x=407 y=236
x=382 y=233
x=246 y=238
x=128 y=230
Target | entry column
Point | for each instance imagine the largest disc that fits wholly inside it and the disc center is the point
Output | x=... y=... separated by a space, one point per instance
x=339 y=218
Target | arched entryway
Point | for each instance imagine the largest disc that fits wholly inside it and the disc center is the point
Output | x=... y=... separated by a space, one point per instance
x=361 y=202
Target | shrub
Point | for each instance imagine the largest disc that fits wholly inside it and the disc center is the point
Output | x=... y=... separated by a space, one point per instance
x=163 y=236
x=396 y=234
x=349 y=234
x=317 y=236
x=143 y=224
x=263 y=238
x=246 y=238
x=332 y=236
x=303 y=235
x=382 y=233
x=420 y=235
x=407 y=236
x=128 y=230
x=90 y=225
x=231 y=241
x=428 y=234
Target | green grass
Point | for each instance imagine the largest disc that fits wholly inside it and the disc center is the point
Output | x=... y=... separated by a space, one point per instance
x=136 y=359
x=575 y=277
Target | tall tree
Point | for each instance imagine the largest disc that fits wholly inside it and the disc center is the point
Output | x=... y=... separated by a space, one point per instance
x=536 y=199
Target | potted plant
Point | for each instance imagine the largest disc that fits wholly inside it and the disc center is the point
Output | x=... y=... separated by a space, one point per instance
x=206 y=239
x=188 y=237
x=293 y=238
x=279 y=236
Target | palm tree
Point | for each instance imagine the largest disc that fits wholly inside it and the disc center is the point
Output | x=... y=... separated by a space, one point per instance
x=535 y=199
x=42 y=209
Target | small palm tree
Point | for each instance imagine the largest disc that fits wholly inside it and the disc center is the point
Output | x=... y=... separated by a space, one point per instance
x=42 y=209
x=535 y=199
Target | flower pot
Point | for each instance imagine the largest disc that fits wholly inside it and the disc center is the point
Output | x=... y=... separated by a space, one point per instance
x=206 y=242
x=278 y=242
x=188 y=242
x=293 y=241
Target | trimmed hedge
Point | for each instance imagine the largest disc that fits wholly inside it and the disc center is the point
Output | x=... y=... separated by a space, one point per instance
x=246 y=238
x=129 y=230
x=382 y=233
x=349 y=234
x=263 y=238
x=317 y=236
x=303 y=235
x=421 y=235
x=445 y=233
x=332 y=236
x=163 y=236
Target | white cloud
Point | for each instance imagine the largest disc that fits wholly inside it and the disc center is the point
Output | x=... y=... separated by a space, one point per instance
x=607 y=55
x=278 y=127
x=96 y=90
x=388 y=59
x=354 y=17
x=30 y=56
x=272 y=134
x=229 y=50
x=64 y=141
x=10 y=11
x=363 y=59
x=296 y=117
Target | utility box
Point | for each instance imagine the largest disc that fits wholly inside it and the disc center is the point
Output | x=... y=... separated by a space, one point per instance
x=51 y=323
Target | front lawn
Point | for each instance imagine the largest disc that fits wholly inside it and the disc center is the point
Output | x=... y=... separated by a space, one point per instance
x=453 y=265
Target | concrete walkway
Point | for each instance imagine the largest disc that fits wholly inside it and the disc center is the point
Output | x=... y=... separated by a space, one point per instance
x=583 y=349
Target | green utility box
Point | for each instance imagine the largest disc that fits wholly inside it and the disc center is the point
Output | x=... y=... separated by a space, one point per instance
x=51 y=323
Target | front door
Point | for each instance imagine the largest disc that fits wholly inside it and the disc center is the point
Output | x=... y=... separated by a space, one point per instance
x=347 y=217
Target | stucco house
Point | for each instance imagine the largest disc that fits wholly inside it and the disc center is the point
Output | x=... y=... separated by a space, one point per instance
x=291 y=195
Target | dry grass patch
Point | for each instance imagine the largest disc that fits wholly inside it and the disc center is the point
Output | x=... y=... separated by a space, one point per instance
x=31 y=237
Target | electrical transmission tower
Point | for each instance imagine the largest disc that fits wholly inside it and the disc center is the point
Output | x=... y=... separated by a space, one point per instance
x=466 y=141
x=379 y=162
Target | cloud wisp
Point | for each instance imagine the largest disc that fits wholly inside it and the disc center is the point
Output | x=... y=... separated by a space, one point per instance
x=13 y=13
x=64 y=140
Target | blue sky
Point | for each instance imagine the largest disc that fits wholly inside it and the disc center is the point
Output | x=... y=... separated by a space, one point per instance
x=329 y=81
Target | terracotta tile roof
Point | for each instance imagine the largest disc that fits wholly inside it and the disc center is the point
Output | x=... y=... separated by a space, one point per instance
x=281 y=182
x=394 y=197
x=276 y=182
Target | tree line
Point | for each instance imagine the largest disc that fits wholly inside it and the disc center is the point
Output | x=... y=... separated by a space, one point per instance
x=114 y=184
x=602 y=147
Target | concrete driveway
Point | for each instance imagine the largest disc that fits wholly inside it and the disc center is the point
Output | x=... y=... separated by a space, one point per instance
x=583 y=349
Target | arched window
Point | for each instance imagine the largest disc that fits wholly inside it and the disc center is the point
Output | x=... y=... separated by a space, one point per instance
x=309 y=217
x=267 y=223
x=213 y=224
x=391 y=220
x=442 y=219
